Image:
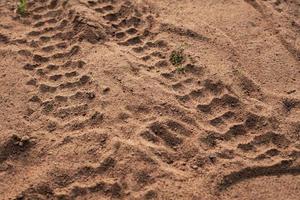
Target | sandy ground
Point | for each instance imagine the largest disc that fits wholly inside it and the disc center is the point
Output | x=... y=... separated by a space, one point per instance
x=92 y=105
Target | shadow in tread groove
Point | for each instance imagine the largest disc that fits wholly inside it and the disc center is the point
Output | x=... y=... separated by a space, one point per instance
x=283 y=168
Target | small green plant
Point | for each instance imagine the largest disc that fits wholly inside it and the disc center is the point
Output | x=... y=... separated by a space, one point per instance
x=180 y=69
x=177 y=57
x=22 y=7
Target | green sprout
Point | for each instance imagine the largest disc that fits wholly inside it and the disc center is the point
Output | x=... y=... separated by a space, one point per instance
x=22 y=7
x=177 y=57
x=180 y=70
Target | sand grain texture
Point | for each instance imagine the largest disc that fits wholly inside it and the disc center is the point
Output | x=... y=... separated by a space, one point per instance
x=91 y=106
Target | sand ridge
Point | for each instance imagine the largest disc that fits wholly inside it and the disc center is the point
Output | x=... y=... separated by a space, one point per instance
x=93 y=108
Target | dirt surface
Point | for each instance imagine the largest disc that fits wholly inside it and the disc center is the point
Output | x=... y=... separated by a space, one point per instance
x=146 y=99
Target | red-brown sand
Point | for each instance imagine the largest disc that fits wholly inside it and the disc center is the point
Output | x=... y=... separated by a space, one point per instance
x=150 y=99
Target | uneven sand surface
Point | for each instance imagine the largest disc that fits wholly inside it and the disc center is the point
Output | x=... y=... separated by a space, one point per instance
x=92 y=107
